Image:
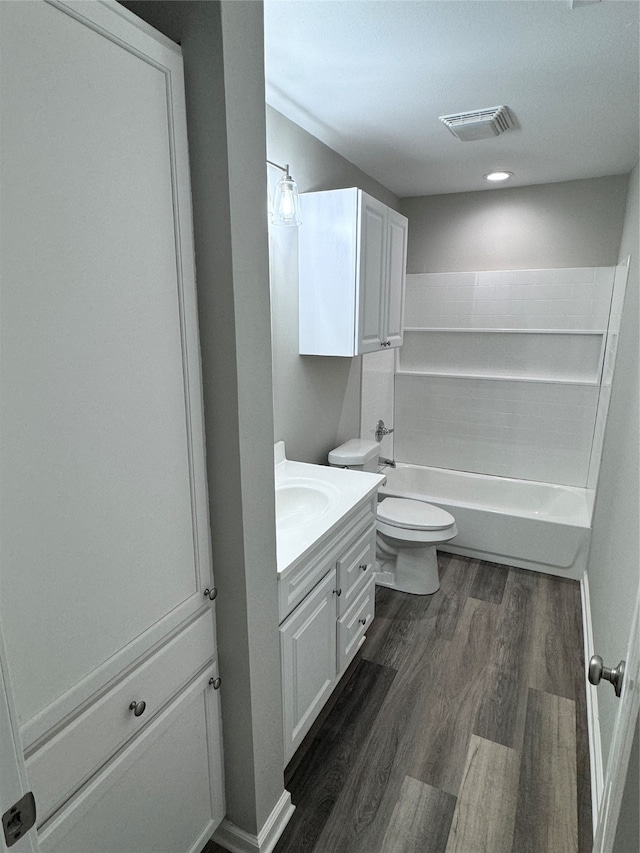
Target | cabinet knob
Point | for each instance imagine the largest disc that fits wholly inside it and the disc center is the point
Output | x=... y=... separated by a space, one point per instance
x=211 y=593
x=137 y=708
x=215 y=683
x=338 y=591
x=362 y=621
x=364 y=567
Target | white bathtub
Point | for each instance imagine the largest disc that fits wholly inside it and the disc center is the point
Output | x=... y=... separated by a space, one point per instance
x=521 y=523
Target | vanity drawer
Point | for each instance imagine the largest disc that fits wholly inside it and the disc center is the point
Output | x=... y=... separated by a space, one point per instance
x=353 y=625
x=355 y=567
x=73 y=754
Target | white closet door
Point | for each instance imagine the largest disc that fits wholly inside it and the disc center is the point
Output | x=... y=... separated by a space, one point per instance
x=103 y=532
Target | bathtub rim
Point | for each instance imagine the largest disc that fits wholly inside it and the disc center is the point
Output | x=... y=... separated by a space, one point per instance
x=587 y=496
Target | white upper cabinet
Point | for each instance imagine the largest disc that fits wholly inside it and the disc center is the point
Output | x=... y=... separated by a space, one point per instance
x=353 y=253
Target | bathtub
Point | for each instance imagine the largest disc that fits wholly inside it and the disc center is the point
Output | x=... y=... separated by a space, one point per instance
x=521 y=523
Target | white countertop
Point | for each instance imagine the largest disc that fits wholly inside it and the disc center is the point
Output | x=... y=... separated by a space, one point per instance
x=353 y=487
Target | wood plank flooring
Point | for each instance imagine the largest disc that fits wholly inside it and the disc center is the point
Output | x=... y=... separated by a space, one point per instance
x=461 y=727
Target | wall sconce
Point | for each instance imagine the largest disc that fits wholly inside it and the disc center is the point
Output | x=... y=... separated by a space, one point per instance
x=286 y=204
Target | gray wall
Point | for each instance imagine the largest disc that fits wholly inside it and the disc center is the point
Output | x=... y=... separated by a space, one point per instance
x=568 y=224
x=614 y=572
x=316 y=399
x=222 y=45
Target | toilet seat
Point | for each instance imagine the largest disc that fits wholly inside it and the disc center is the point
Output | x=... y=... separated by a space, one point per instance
x=408 y=514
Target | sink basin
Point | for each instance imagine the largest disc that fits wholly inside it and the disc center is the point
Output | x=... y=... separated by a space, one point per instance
x=299 y=501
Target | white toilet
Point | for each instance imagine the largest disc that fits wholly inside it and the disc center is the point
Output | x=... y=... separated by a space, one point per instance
x=408 y=531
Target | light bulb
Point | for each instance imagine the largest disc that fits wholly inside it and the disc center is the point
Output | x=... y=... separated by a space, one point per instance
x=498 y=176
x=286 y=205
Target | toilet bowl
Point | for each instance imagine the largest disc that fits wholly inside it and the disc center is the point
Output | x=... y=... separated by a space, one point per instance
x=408 y=531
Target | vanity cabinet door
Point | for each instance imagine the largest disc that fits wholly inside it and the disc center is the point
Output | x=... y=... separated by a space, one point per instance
x=308 y=655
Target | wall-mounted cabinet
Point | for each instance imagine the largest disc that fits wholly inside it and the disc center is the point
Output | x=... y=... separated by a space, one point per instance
x=352 y=257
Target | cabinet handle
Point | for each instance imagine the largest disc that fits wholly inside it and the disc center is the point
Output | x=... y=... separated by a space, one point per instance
x=362 y=621
x=215 y=683
x=211 y=593
x=137 y=708
x=338 y=591
x=364 y=567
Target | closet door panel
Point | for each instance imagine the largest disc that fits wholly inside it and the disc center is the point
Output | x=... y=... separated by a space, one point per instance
x=98 y=531
x=162 y=794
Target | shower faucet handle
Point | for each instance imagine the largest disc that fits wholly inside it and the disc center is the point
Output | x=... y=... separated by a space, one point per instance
x=382 y=430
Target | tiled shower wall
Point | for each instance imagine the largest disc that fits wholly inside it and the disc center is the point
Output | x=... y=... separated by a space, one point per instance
x=499 y=374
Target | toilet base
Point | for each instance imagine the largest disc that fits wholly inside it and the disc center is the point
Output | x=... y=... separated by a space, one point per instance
x=413 y=570
x=417 y=570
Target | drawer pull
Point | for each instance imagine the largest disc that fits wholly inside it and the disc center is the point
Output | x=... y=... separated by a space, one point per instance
x=211 y=593
x=364 y=567
x=362 y=621
x=338 y=592
x=137 y=708
x=215 y=683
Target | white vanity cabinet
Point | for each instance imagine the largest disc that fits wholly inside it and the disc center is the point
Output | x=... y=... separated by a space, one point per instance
x=107 y=608
x=352 y=269
x=326 y=604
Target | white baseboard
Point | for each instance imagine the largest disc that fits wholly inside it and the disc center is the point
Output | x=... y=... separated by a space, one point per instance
x=593 y=720
x=237 y=840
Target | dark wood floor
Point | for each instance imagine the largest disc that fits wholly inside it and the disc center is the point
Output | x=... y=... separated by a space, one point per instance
x=461 y=728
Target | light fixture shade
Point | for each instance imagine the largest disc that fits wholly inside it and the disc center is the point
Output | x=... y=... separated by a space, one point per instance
x=286 y=204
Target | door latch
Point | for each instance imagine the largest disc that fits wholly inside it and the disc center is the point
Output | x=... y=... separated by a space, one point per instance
x=19 y=819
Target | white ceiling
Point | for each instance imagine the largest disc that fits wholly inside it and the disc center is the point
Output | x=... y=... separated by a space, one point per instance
x=370 y=78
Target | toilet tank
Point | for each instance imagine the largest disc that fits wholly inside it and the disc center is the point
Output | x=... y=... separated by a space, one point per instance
x=360 y=454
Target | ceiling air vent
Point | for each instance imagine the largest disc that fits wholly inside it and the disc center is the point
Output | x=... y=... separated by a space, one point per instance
x=478 y=124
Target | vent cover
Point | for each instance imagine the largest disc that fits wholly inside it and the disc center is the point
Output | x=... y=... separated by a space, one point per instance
x=478 y=124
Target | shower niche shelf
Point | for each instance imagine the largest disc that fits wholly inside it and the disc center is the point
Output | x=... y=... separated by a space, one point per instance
x=563 y=357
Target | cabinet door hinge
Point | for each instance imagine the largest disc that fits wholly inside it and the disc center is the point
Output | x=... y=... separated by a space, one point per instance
x=19 y=819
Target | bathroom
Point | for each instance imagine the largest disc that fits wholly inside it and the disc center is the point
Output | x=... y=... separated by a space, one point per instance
x=317 y=401
x=451 y=239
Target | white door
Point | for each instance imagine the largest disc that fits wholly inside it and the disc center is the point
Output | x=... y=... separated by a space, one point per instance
x=104 y=530
x=396 y=274
x=308 y=655
x=372 y=274
x=621 y=743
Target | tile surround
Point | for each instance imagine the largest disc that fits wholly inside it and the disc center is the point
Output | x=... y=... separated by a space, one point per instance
x=540 y=430
x=576 y=298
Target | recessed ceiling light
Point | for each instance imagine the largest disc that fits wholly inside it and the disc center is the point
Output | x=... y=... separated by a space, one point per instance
x=499 y=176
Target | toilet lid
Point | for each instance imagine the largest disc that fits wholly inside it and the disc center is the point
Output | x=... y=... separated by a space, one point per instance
x=413 y=515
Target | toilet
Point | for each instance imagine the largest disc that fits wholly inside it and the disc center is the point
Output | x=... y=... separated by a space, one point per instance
x=408 y=531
